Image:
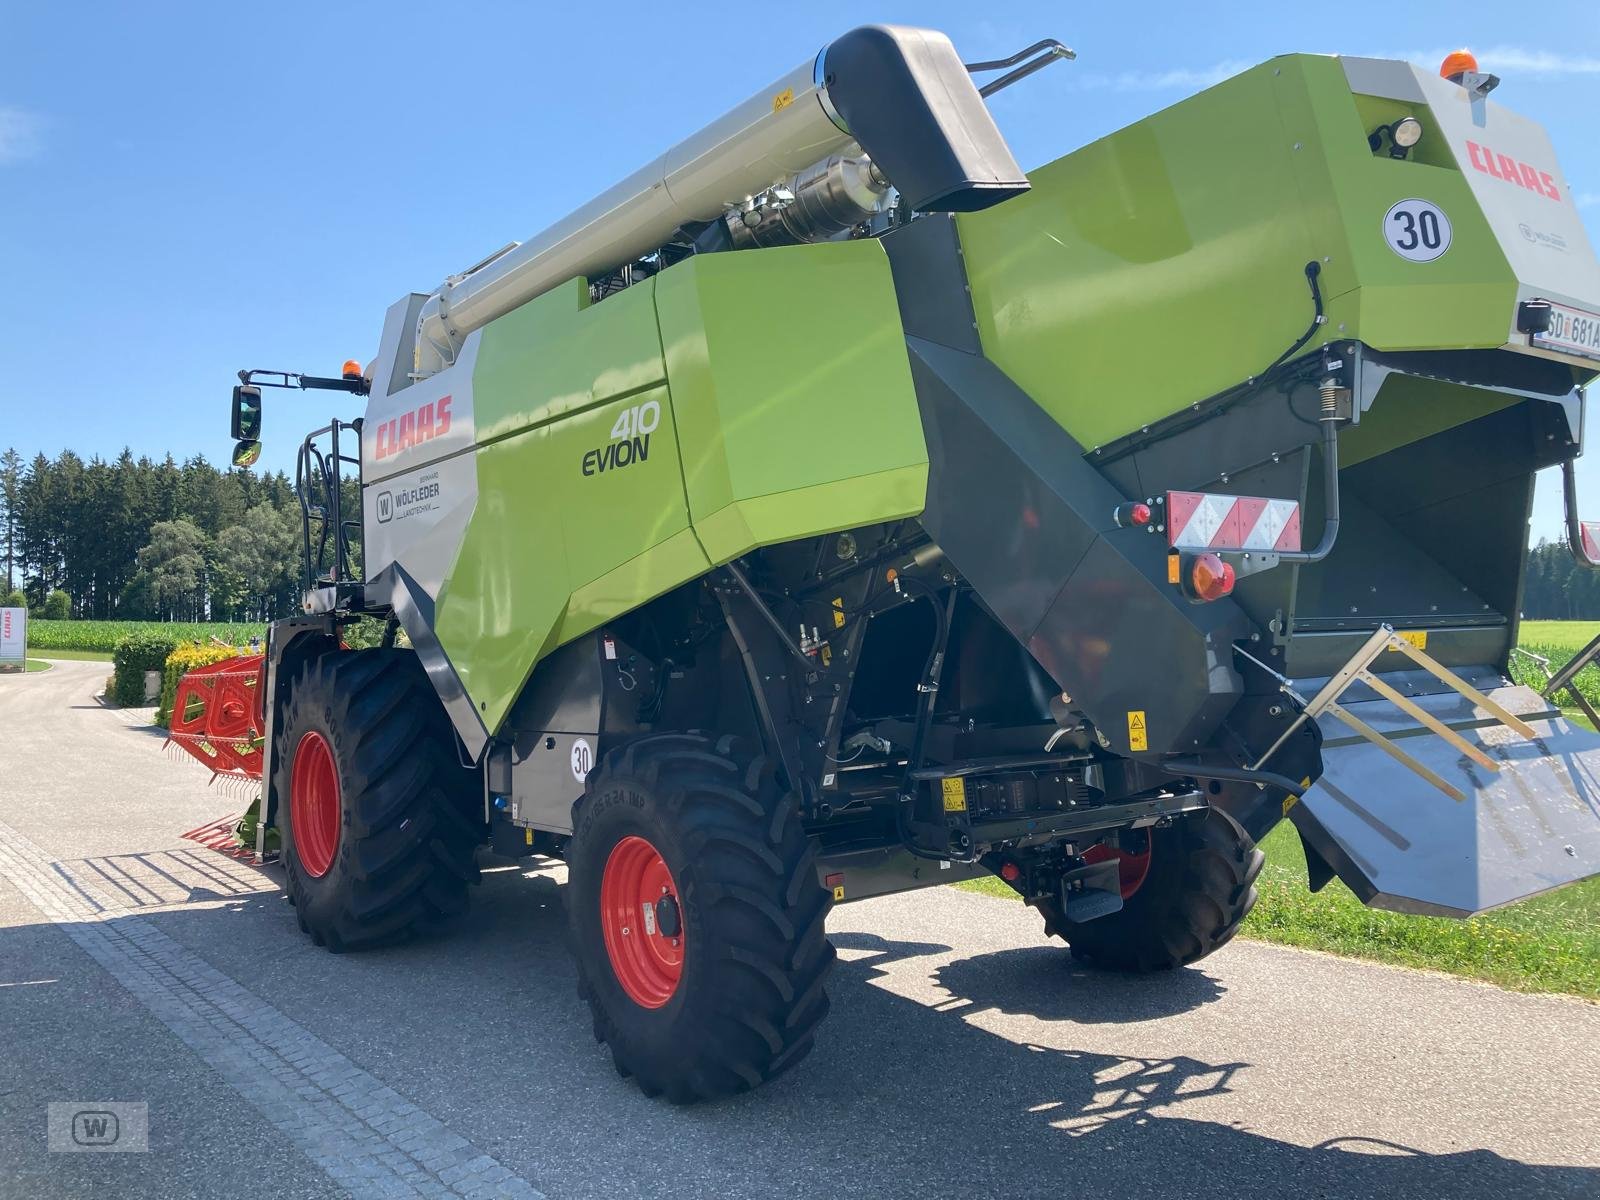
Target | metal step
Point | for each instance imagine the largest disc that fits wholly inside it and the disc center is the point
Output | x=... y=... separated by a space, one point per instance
x=1530 y=824
x=1448 y=803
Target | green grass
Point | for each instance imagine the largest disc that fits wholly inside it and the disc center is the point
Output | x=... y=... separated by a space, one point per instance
x=35 y=666
x=77 y=655
x=1569 y=636
x=1550 y=943
x=102 y=636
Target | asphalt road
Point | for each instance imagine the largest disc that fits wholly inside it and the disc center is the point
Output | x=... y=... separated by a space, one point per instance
x=964 y=1055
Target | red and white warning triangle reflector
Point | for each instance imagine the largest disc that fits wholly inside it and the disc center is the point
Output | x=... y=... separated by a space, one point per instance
x=1591 y=540
x=1202 y=521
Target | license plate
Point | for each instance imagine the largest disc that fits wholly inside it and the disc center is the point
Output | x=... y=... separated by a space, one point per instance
x=1572 y=331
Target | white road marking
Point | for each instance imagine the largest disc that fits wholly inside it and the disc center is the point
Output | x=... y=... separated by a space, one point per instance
x=365 y=1135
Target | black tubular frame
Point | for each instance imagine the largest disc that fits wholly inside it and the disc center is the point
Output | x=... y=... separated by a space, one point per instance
x=318 y=476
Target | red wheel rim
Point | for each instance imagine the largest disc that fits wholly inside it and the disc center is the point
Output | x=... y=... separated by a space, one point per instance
x=314 y=804
x=1131 y=868
x=642 y=921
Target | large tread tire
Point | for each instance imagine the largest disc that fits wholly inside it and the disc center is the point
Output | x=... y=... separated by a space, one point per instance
x=409 y=819
x=755 y=952
x=1200 y=888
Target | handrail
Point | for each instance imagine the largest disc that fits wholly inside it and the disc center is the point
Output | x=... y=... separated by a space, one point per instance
x=1577 y=543
x=1053 y=51
x=318 y=481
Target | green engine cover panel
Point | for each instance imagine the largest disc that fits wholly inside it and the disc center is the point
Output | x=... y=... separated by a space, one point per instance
x=793 y=392
x=625 y=448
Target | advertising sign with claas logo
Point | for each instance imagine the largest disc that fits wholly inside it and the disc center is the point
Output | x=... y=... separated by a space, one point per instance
x=13 y=638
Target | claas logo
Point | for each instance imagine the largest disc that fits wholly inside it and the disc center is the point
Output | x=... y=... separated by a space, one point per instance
x=410 y=429
x=1512 y=170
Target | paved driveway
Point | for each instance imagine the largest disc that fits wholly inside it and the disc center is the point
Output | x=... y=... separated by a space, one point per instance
x=964 y=1055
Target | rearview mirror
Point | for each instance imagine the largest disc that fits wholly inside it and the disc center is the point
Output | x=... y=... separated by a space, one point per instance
x=246 y=453
x=247 y=413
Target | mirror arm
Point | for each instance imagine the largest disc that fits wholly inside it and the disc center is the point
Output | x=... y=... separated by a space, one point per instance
x=293 y=379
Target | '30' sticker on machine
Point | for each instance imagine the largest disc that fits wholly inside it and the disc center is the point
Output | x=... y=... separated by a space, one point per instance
x=582 y=759
x=1417 y=230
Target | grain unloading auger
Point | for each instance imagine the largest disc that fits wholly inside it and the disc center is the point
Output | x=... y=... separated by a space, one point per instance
x=829 y=509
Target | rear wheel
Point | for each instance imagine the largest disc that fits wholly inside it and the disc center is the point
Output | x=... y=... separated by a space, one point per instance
x=697 y=917
x=1185 y=891
x=378 y=819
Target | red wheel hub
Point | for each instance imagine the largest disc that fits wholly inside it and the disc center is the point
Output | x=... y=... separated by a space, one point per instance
x=314 y=804
x=642 y=922
x=1131 y=867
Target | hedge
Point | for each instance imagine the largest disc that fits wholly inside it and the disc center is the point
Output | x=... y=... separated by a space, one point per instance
x=132 y=656
x=179 y=663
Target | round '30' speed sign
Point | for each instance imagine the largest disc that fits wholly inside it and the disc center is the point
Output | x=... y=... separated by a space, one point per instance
x=1417 y=230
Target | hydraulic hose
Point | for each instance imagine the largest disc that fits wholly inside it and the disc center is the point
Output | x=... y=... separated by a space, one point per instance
x=1233 y=774
x=1330 y=486
x=927 y=694
x=1328 y=418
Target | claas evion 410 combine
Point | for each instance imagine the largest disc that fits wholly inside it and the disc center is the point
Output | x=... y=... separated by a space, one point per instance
x=832 y=509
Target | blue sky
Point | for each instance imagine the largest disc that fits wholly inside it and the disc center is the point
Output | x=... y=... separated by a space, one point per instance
x=187 y=189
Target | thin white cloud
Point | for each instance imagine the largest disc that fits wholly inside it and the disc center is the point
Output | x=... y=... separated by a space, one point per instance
x=1503 y=60
x=1587 y=199
x=1519 y=60
x=1178 y=79
x=19 y=135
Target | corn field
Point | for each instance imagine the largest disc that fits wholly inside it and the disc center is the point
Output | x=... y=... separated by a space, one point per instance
x=102 y=636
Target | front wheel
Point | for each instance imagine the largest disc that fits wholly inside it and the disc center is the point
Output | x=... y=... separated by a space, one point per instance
x=1186 y=889
x=379 y=821
x=697 y=917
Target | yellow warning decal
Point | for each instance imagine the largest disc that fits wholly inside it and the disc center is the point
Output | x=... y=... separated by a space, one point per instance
x=838 y=612
x=1291 y=800
x=1417 y=637
x=955 y=795
x=1174 y=569
x=838 y=892
x=529 y=832
x=783 y=99
x=1138 y=736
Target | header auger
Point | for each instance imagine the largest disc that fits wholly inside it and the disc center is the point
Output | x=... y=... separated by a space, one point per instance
x=830 y=509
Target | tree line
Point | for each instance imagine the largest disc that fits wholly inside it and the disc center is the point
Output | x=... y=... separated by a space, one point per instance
x=136 y=539
x=1557 y=588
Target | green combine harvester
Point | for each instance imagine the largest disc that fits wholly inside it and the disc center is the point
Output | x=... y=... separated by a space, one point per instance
x=832 y=509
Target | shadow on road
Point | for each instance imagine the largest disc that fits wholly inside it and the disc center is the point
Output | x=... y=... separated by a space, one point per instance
x=899 y=1098
x=1046 y=982
x=1067 y=1120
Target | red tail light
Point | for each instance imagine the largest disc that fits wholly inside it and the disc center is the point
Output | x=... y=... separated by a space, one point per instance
x=1135 y=514
x=1209 y=577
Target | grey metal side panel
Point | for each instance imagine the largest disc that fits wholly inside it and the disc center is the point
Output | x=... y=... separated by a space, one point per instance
x=1402 y=844
x=1383 y=77
x=561 y=705
x=1029 y=522
x=930 y=283
x=414 y=609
